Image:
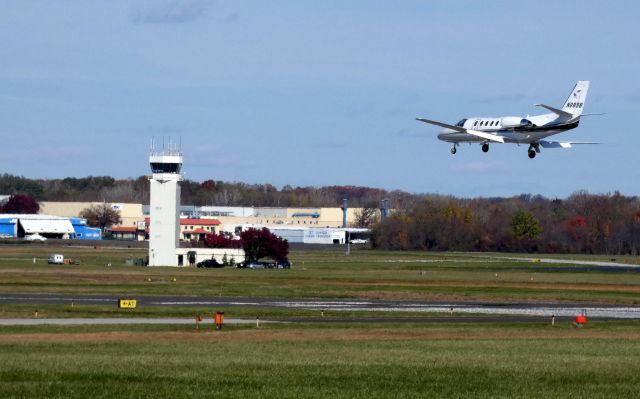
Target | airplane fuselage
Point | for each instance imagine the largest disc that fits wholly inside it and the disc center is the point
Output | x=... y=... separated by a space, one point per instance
x=541 y=127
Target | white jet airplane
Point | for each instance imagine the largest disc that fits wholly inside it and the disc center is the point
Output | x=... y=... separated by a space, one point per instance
x=518 y=130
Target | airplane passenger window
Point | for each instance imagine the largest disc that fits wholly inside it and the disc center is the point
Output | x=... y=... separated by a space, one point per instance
x=475 y=123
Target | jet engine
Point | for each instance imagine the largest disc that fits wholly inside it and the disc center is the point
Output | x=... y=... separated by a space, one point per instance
x=515 y=121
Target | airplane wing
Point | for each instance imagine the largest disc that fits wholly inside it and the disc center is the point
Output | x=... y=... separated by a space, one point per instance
x=560 y=144
x=444 y=125
x=484 y=135
x=556 y=111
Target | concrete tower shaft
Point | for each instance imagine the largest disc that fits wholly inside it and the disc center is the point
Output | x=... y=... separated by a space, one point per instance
x=164 y=226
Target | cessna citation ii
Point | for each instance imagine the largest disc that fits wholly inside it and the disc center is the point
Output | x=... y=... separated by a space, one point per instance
x=518 y=130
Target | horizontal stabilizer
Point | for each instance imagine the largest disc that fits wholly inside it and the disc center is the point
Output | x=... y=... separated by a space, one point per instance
x=556 y=111
x=560 y=144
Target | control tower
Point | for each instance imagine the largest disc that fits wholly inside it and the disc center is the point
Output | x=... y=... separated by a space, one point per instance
x=164 y=226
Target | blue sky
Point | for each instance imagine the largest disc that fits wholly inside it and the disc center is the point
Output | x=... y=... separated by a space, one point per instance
x=318 y=92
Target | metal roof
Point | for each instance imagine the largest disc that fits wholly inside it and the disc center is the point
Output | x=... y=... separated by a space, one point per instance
x=57 y=226
x=200 y=222
x=29 y=216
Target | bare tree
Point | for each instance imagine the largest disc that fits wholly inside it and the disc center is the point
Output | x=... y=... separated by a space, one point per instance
x=365 y=217
x=101 y=215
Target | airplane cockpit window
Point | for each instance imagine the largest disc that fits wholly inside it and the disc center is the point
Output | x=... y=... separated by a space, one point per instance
x=461 y=123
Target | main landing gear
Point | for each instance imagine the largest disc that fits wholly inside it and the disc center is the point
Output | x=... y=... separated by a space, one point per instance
x=453 y=149
x=485 y=147
x=534 y=148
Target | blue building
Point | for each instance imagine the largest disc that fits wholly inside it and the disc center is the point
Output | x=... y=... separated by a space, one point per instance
x=84 y=232
x=8 y=227
x=19 y=226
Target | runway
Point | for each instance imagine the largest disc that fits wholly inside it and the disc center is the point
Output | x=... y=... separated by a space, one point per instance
x=419 y=308
x=117 y=321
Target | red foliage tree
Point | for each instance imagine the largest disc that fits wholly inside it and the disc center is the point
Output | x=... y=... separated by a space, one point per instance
x=577 y=230
x=221 y=240
x=20 y=203
x=262 y=243
x=208 y=185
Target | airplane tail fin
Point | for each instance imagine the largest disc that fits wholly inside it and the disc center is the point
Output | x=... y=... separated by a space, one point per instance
x=575 y=103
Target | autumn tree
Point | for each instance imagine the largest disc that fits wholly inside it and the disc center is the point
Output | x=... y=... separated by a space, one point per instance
x=103 y=216
x=262 y=243
x=221 y=240
x=20 y=203
x=393 y=233
x=365 y=217
x=577 y=231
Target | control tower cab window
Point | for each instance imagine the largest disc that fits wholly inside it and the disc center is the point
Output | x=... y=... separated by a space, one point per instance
x=461 y=123
x=165 y=167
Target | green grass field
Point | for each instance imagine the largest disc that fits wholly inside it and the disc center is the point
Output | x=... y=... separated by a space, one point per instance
x=338 y=360
x=364 y=274
x=409 y=361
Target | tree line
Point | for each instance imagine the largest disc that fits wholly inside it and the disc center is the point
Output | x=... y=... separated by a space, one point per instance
x=581 y=223
x=209 y=192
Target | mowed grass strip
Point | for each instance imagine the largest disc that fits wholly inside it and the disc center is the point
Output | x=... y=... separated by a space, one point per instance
x=334 y=363
x=364 y=274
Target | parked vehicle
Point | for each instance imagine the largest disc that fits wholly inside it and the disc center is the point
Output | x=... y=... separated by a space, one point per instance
x=283 y=264
x=55 y=259
x=209 y=263
x=252 y=264
x=35 y=237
